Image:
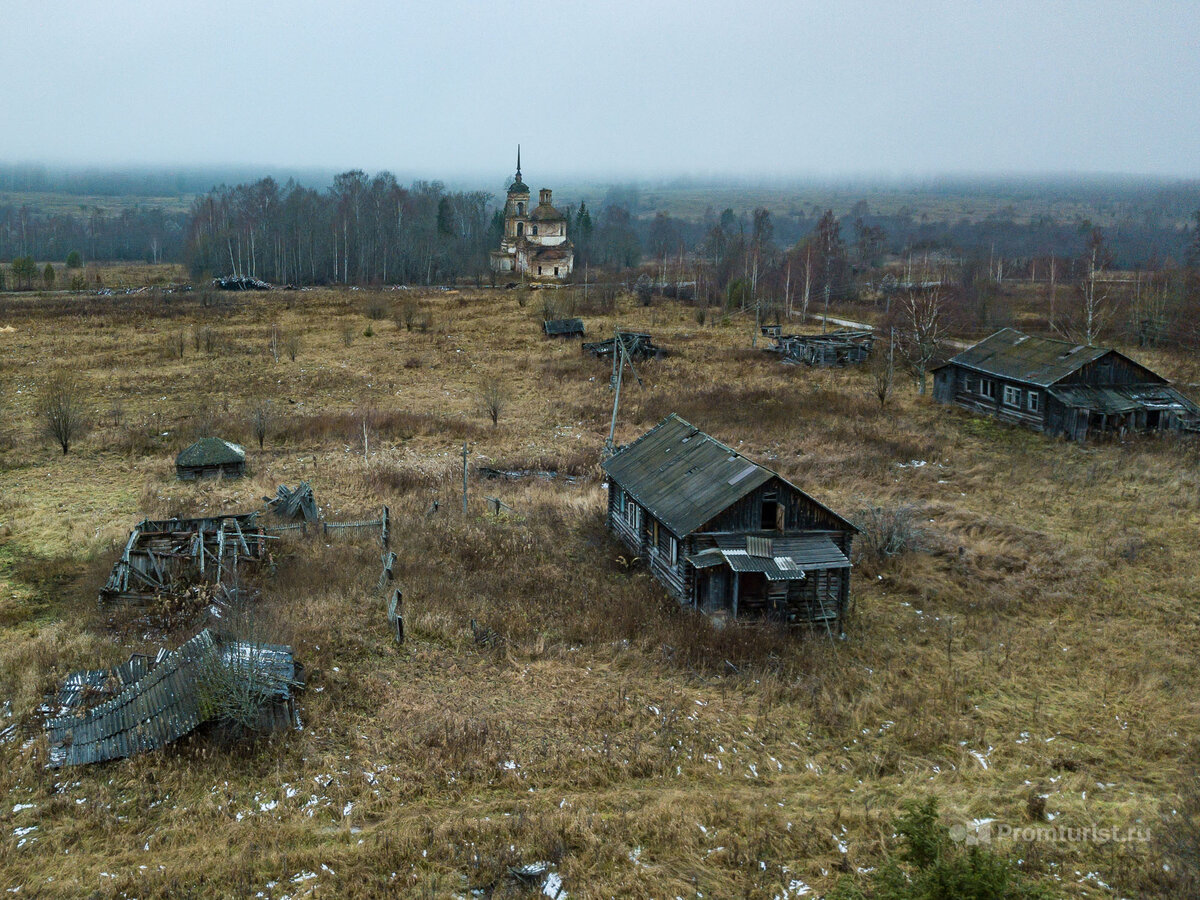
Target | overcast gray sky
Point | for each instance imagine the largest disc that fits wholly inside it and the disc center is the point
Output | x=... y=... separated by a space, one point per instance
x=447 y=88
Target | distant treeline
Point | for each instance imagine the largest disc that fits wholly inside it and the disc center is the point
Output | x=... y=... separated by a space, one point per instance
x=138 y=233
x=363 y=229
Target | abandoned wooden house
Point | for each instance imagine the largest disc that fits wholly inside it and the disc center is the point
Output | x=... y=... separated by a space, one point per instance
x=1073 y=390
x=838 y=348
x=726 y=535
x=211 y=457
x=567 y=328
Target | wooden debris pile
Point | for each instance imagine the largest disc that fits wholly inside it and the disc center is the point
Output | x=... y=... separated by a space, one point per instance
x=173 y=557
x=297 y=505
x=206 y=679
x=837 y=348
x=240 y=283
x=637 y=344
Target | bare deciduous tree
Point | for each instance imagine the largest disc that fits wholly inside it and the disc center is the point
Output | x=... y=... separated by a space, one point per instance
x=292 y=345
x=61 y=410
x=921 y=332
x=492 y=399
x=883 y=373
x=261 y=416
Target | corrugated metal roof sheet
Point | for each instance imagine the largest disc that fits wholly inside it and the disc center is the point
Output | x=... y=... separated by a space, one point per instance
x=684 y=477
x=1111 y=400
x=1034 y=360
x=791 y=557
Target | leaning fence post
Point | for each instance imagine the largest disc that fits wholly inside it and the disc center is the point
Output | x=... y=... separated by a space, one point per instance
x=396 y=614
x=385 y=530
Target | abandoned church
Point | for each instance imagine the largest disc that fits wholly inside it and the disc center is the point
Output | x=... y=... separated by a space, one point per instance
x=1074 y=390
x=726 y=535
x=535 y=242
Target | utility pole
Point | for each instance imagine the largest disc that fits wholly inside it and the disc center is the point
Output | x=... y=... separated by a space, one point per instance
x=464 y=456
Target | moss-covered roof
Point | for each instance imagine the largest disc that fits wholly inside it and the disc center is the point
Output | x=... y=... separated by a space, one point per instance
x=211 y=451
x=518 y=187
x=547 y=213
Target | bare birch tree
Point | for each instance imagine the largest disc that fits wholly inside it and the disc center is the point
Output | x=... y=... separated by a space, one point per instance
x=921 y=332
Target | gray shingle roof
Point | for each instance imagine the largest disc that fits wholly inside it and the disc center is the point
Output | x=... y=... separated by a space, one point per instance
x=211 y=451
x=1034 y=360
x=684 y=477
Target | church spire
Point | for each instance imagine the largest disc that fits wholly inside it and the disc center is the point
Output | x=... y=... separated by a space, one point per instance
x=518 y=162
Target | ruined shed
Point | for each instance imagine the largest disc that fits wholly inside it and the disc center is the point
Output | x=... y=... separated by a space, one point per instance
x=837 y=348
x=726 y=535
x=1074 y=390
x=169 y=557
x=568 y=328
x=211 y=457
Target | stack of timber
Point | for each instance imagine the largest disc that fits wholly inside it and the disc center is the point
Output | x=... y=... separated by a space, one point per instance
x=171 y=556
x=184 y=689
x=637 y=345
x=838 y=348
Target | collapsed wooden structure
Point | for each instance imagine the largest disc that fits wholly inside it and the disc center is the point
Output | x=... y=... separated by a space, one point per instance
x=170 y=557
x=1076 y=391
x=726 y=535
x=567 y=328
x=182 y=689
x=837 y=348
x=294 y=505
x=637 y=344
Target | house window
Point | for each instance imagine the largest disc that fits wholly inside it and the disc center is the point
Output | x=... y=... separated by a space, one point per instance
x=556 y=270
x=535 y=229
x=620 y=499
x=673 y=549
x=520 y=209
x=1034 y=401
x=1012 y=395
x=539 y=270
x=520 y=228
x=987 y=387
x=769 y=511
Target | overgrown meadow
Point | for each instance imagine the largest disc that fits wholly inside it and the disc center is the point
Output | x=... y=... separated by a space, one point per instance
x=1030 y=660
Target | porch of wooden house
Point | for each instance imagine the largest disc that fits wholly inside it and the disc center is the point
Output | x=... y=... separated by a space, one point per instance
x=813 y=598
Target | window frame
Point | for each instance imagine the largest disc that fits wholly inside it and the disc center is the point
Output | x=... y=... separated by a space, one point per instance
x=987 y=388
x=1033 y=402
x=1012 y=396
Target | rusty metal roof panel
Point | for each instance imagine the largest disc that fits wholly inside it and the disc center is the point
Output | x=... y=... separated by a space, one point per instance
x=1033 y=360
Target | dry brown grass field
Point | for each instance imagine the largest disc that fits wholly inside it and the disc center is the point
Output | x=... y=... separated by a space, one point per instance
x=1042 y=643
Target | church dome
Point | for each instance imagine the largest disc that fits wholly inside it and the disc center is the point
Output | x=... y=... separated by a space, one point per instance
x=547 y=213
x=518 y=186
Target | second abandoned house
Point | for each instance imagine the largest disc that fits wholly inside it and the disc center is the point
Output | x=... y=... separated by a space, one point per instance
x=726 y=535
x=1074 y=390
x=211 y=457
